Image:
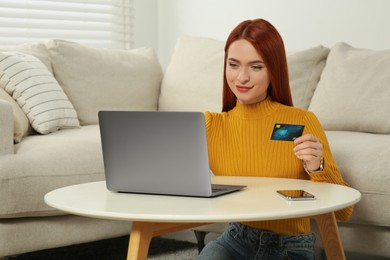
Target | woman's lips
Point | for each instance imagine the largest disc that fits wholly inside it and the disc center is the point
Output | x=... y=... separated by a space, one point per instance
x=243 y=88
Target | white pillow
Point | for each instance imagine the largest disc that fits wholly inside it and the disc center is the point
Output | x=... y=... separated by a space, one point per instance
x=304 y=69
x=36 y=49
x=353 y=92
x=98 y=79
x=36 y=91
x=193 y=79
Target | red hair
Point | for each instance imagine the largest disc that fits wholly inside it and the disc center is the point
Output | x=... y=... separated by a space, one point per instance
x=269 y=44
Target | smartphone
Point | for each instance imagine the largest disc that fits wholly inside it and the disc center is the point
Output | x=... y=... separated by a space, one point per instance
x=294 y=195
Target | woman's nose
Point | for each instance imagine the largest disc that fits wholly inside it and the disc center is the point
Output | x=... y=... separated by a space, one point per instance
x=243 y=76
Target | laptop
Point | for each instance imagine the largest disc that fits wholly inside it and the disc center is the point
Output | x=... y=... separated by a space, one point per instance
x=154 y=152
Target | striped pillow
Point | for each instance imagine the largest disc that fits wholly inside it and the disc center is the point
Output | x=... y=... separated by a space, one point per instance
x=37 y=92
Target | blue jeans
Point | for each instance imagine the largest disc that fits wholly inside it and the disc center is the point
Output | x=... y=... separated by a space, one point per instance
x=244 y=242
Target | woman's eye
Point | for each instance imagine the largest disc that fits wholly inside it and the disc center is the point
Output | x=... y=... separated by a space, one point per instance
x=257 y=67
x=233 y=65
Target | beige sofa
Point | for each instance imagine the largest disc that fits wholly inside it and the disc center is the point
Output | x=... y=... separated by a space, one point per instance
x=43 y=147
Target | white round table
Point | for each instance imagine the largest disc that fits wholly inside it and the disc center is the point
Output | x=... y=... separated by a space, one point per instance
x=153 y=215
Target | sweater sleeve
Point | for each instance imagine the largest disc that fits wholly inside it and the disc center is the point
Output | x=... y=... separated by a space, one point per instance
x=330 y=173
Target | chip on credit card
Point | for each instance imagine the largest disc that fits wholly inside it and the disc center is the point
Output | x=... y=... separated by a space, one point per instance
x=286 y=132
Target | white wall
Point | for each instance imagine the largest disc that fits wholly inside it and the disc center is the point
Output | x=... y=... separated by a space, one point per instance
x=302 y=23
x=145 y=23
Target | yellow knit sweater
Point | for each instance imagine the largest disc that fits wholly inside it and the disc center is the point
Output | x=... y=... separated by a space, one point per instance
x=239 y=144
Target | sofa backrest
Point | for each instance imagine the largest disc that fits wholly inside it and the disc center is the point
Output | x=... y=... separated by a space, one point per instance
x=351 y=95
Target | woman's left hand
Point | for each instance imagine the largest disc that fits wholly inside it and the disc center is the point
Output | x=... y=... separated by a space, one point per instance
x=309 y=149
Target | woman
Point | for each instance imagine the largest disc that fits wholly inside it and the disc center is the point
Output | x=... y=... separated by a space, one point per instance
x=256 y=96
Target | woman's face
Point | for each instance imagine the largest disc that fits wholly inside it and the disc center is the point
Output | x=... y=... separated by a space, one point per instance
x=246 y=73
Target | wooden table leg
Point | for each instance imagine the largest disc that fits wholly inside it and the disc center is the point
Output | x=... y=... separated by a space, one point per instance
x=140 y=237
x=143 y=232
x=330 y=236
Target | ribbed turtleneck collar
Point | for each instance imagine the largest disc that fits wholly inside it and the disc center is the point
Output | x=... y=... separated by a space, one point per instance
x=258 y=110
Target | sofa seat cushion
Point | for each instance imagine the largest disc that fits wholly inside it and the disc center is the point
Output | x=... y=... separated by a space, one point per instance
x=43 y=163
x=363 y=160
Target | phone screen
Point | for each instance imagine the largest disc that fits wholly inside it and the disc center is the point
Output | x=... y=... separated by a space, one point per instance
x=296 y=194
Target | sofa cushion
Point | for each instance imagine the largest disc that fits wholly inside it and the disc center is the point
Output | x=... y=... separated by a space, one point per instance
x=24 y=235
x=42 y=163
x=193 y=78
x=21 y=124
x=37 y=92
x=197 y=64
x=96 y=79
x=353 y=93
x=304 y=69
x=37 y=50
x=363 y=159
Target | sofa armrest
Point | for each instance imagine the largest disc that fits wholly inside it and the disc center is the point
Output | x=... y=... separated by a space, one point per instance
x=6 y=128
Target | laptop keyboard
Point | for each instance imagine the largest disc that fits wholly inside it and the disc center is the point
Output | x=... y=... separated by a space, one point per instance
x=217 y=187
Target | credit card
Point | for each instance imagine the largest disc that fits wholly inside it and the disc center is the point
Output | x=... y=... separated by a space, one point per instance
x=286 y=132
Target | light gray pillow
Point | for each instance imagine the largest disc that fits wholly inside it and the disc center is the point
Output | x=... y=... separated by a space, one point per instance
x=353 y=93
x=305 y=68
x=37 y=49
x=36 y=91
x=97 y=79
x=193 y=79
